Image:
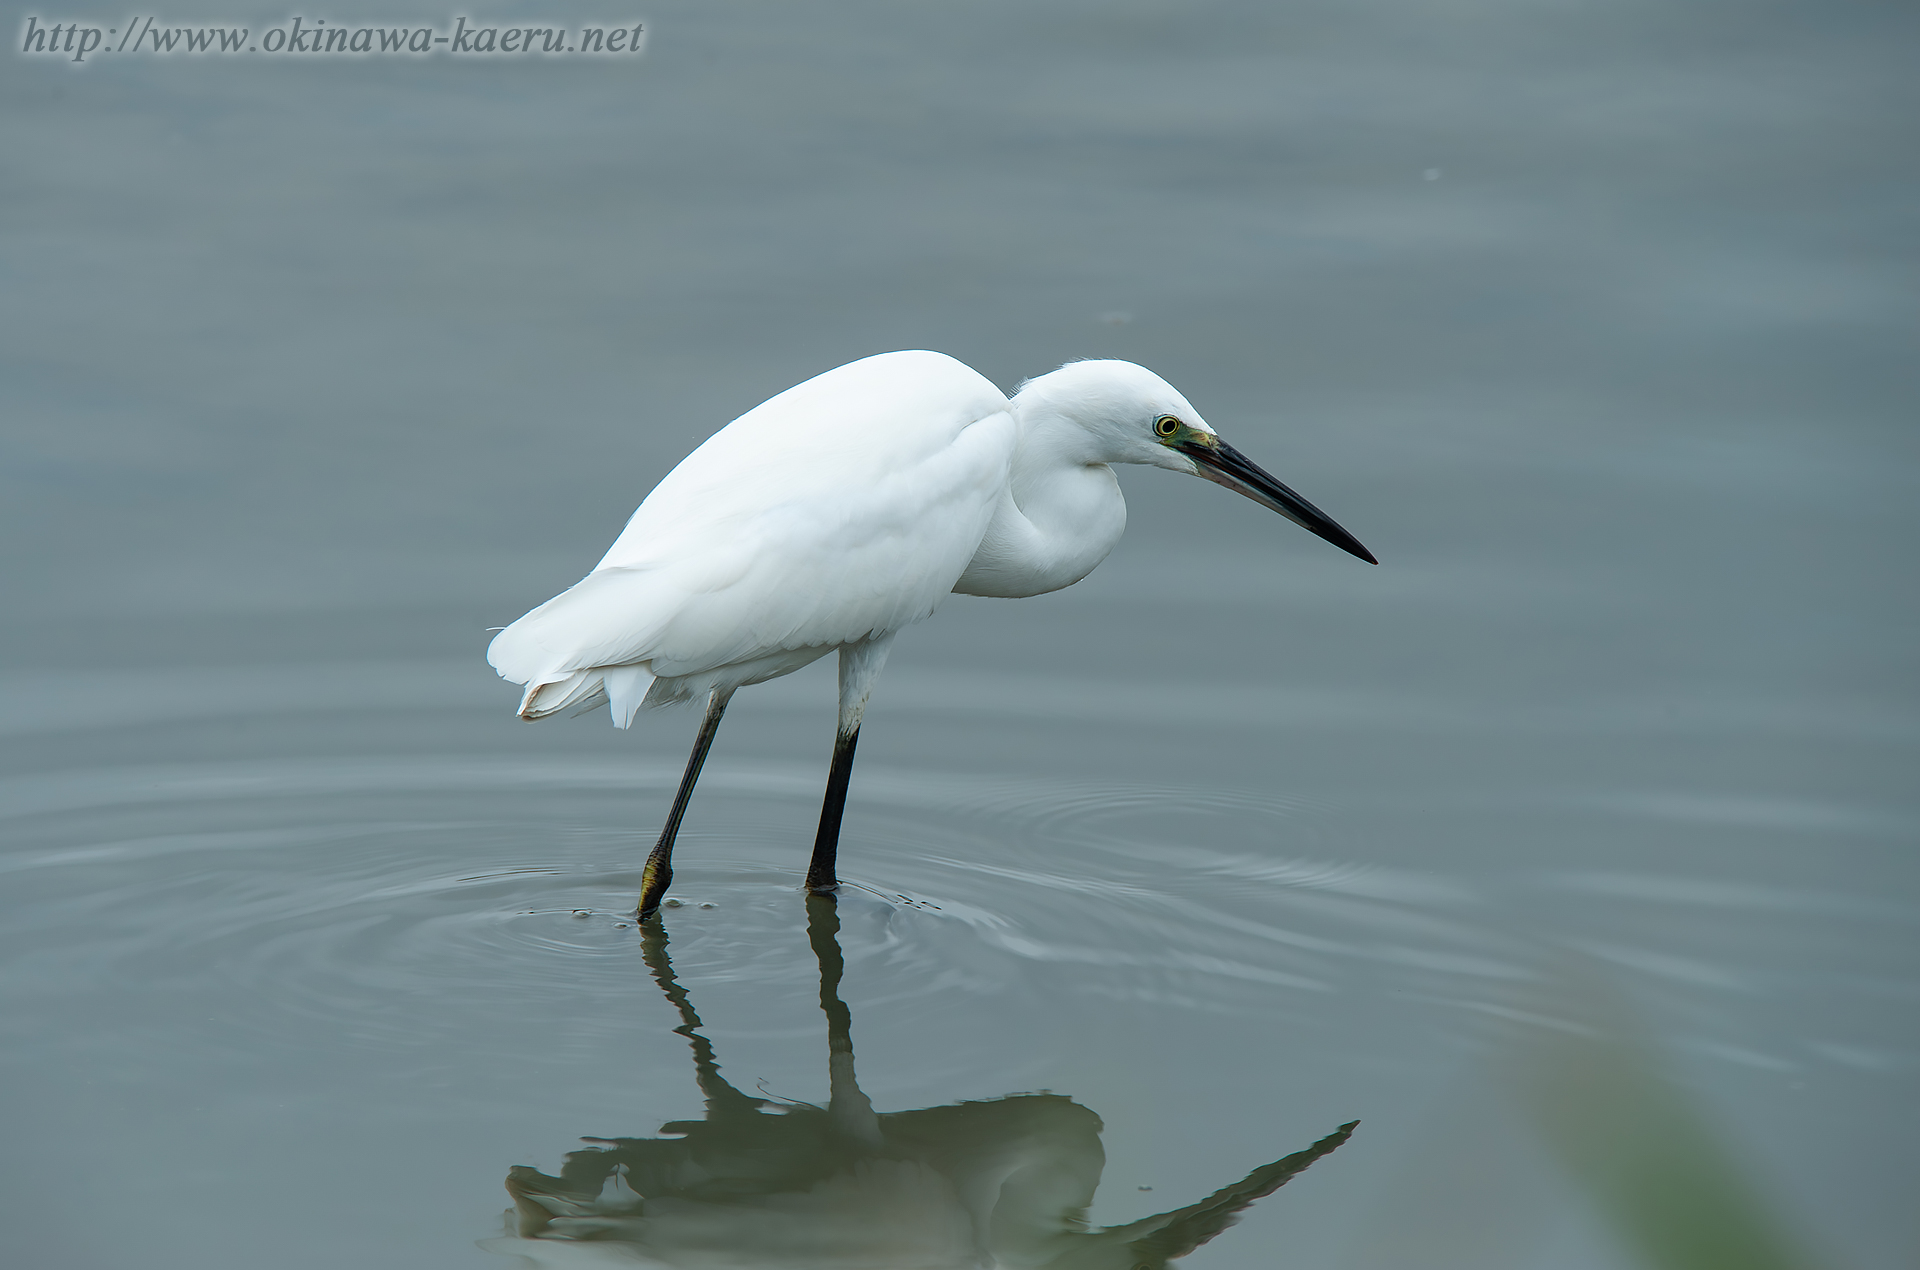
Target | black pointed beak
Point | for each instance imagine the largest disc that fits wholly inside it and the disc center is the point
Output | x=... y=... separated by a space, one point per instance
x=1223 y=465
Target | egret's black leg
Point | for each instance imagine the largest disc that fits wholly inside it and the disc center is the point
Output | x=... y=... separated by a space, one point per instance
x=820 y=875
x=659 y=870
x=859 y=666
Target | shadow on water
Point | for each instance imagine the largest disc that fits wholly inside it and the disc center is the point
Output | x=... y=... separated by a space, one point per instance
x=759 y=1182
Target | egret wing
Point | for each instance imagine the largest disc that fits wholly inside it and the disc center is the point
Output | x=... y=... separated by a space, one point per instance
x=845 y=506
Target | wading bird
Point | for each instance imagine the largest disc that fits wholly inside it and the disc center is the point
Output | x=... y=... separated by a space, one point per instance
x=842 y=510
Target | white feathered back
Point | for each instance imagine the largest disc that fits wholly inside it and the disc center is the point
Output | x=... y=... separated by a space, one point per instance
x=750 y=549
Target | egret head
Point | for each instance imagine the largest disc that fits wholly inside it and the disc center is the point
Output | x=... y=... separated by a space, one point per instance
x=1119 y=406
x=1131 y=415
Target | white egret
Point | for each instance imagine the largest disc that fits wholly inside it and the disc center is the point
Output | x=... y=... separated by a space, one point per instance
x=842 y=510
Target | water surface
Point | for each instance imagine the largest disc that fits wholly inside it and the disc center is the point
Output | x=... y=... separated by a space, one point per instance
x=1570 y=851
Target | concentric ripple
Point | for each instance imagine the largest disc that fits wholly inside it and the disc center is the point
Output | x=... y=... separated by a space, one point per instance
x=268 y=898
x=243 y=885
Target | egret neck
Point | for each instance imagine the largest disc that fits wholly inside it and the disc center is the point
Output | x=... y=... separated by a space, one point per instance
x=1060 y=514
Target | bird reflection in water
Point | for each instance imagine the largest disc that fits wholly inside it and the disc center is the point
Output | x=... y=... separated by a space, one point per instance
x=765 y=1184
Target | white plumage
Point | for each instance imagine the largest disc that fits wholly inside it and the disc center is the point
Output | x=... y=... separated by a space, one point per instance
x=751 y=559
x=845 y=509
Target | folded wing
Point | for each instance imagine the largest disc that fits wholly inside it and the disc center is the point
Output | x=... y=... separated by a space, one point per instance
x=844 y=507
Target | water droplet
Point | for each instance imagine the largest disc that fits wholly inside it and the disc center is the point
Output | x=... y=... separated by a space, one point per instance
x=671 y=903
x=709 y=906
x=583 y=912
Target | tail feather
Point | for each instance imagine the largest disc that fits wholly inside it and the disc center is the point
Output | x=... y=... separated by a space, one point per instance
x=620 y=688
x=626 y=689
x=555 y=695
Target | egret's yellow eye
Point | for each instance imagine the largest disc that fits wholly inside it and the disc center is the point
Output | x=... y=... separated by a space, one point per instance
x=1165 y=426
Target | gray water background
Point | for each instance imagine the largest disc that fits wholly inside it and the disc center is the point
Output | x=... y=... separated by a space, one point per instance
x=1595 y=321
